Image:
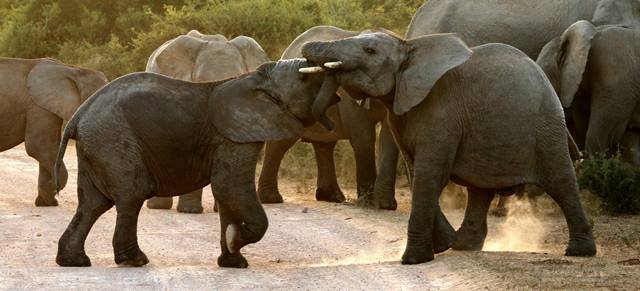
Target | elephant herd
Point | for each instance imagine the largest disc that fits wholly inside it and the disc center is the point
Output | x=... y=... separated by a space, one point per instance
x=491 y=95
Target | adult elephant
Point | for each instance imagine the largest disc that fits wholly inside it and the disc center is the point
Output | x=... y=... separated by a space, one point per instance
x=197 y=57
x=36 y=96
x=353 y=122
x=526 y=25
x=596 y=73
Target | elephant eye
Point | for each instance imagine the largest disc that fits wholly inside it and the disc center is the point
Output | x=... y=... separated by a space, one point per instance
x=369 y=50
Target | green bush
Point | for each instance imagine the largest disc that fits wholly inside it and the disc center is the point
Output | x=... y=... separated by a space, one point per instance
x=615 y=181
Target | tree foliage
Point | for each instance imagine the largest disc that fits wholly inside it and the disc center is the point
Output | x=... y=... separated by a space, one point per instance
x=117 y=36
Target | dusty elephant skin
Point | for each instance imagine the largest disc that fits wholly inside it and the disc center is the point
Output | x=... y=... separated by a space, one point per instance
x=129 y=151
x=356 y=123
x=486 y=118
x=198 y=57
x=36 y=97
x=604 y=105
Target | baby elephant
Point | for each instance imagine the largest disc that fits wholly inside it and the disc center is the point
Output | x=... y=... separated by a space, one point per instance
x=147 y=135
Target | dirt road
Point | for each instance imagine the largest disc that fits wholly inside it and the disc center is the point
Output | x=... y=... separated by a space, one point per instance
x=309 y=246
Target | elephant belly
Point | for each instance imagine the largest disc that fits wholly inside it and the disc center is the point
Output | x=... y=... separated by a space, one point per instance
x=13 y=121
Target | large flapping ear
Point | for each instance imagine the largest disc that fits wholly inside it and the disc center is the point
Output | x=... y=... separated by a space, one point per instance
x=252 y=53
x=429 y=58
x=178 y=57
x=52 y=86
x=243 y=112
x=572 y=58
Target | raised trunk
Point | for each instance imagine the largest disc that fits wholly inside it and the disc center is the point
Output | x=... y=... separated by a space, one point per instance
x=326 y=97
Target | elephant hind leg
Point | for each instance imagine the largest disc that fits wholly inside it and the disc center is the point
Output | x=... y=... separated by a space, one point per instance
x=328 y=189
x=91 y=204
x=42 y=139
x=560 y=183
x=473 y=231
x=125 y=239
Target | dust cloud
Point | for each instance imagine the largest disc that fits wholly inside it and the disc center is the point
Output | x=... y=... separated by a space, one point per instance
x=521 y=231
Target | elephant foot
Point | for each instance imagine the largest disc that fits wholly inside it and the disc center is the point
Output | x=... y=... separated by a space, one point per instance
x=190 y=208
x=468 y=241
x=44 y=202
x=417 y=255
x=385 y=203
x=330 y=195
x=581 y=246
x=133 y=257
x=160 y=203
x=443 y=239
x=215 y=206
x=72 y=260
x=227 y=260
x=270 y=195
x=499 y=212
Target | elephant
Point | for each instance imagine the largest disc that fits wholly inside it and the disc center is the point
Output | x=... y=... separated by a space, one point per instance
x=198 y=57
x=37 y=96
x=193 y=135
x=596 y=73
x=526 y=25
x=485 y=118
x=353 y=122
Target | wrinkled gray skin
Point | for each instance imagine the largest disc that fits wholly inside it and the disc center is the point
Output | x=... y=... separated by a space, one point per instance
x=36 y=96
x=129 y=151
x=524 y=24
x=596 y=73
x=486 y=118
x=353 y=122
x=198 y=57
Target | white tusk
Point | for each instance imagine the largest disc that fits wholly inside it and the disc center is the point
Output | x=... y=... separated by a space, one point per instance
x=333 y=65
x=311 y=70
x=359 y=102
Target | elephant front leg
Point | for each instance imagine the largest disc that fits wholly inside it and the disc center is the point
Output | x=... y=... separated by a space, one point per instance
x=42 y=139
x=242 y=218
x=190 y=202
x=268 y=181
x=328 y=189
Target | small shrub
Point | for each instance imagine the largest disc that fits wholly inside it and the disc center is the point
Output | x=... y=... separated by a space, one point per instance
x=616 y=182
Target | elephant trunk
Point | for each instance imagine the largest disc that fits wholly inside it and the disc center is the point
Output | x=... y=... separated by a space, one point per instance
x=326 y=97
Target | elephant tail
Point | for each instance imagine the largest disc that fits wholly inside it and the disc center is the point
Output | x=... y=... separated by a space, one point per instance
x=574 y=151
x=69 y=132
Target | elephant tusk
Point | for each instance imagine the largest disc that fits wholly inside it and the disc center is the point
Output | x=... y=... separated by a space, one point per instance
x=359 y=102
x=311 y=70
x=333 y=65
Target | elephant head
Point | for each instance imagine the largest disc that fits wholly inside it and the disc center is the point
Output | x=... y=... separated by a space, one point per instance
x=399 y=72
x=564 y=59
x=60 y=88
x=619 y=12
x=198 y=57
x=272 y=103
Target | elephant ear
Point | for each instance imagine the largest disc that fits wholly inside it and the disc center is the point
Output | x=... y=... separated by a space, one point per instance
x=572 y=59
x=178 y=57
x=251 y=51
x=429 y=58
x=52 y=86
x=242 y=111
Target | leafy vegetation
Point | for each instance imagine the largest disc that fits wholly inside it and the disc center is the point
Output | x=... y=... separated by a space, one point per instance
x=616 y=182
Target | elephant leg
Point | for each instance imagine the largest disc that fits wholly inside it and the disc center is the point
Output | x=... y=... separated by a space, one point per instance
x=501 y=209
x=607 y=123
x=363 y=142
x=580 y=118
x=242 y=218
x=432 y=168
x=268 y=181
x=328 y=189
x=125 y=239
x=42 y=139
x=91 y=204
x=160 y=203
x=473 y=231
x=190 y=202
x=560 y=183
x=384 y=189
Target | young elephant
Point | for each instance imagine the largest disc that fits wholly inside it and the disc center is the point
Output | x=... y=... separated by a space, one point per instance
x=486 y=118
x=596 y=73
x=36 y=96
x=147 y=135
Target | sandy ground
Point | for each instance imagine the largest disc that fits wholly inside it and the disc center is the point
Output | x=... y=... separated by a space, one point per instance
x=309 y=245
